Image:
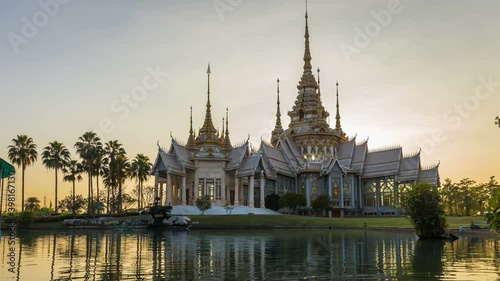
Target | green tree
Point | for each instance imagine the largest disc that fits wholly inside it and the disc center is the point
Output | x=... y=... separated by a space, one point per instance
x=72 y=172
x=292 y=201
x=497 y=121
x=493 y=215
x=23 y=154
x=32 y=204
x=115 y=173
x=140 y=169
x=86 y=147
x=271 y=201
x=73 y=204
x=468 y=194
x=426 y=213
x=55 y=156
x=203 y=203
x=322 y=202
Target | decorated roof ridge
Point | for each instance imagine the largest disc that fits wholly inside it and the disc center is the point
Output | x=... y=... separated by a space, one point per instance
x=431 y=166
x=385 y=148
x=176 y=140
x=288 y=160
x=160 y=148
x=412 y=154
x=365 y=141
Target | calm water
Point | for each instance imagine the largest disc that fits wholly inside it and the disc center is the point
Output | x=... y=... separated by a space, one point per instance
x=247 y=255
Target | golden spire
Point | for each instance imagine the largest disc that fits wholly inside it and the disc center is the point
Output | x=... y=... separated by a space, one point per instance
x=337 y=116
x=190 y=142
x=227 y=141
x=307 y=52
x=319 y=89
x=208 y=130
x=278 y=129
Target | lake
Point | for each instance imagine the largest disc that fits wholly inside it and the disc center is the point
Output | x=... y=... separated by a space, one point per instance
x=299 y=254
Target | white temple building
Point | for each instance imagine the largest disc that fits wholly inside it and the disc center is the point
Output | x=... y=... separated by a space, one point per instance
x=308 y=157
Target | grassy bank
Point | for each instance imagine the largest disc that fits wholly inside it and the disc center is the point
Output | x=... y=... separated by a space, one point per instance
x=270 y=221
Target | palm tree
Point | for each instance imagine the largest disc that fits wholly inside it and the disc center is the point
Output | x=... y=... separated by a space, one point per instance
x=55 y=156
x=72 y=172
x=22 y=153
x=140 y=169
x=32 y=204
x=86 y=148
x=98 y=166
x=115 y=161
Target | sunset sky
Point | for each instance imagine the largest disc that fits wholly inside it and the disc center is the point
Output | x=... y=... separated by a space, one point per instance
x=411 y=73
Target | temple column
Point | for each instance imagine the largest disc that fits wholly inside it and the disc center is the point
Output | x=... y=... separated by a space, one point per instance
x=156 y=185
x=330 y=185
x=183 y=200
x=308 y=191
x=169 y=189
x=236 y=192
x=341 y=187
x=196 y=186
x=161 y=192
x=223 y=188
x=262 y=184
x=250 y=192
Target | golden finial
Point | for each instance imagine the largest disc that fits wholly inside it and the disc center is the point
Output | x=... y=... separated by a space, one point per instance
x=337 y=116
x=319 y=89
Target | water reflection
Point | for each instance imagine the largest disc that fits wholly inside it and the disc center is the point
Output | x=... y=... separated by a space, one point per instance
x=248 y=255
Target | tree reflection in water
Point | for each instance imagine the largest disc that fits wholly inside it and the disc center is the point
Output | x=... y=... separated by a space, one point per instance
x=250 y=255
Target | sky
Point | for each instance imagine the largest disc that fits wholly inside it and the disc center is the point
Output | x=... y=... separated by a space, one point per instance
x=419 y=74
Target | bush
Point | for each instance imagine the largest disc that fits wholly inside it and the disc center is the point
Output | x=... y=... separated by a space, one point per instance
x=493 y=214
x=321 y=202
x=203 y=203
x=26 y=218
x=423 y=205
x=272 y=201
x=292 y=201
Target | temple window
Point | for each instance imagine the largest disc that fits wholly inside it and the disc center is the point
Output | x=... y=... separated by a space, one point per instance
x=370 y=188
x=387 y=191
x=347 y=191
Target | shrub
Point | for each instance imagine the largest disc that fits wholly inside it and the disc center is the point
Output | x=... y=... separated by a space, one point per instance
x=292 y=201
x=423 y=205
x=26 y=218
x=322 y=202
x=271 y=201
x=203 y=203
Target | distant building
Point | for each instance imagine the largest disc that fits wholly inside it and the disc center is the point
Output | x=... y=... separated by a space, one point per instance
x=308 y=157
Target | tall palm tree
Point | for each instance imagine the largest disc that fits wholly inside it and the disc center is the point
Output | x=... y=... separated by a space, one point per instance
x=22 y=153
x=140 y=169
x=55 y=156
x=86 y=148
x=98 y=166
x=32 y=204
x=115 y=161
x=72 y=172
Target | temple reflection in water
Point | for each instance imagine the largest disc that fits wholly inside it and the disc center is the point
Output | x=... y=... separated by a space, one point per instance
x=247 y=255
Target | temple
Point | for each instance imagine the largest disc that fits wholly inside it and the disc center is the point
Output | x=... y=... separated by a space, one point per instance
x=309 y=157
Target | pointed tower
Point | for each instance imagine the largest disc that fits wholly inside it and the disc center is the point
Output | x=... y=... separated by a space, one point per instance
x=190 y=143
x=308 y=114
x=278 y=129
x=227 y=142
x=207 y=134
x=338 y=128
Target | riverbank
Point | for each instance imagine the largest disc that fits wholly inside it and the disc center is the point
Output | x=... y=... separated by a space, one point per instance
x=289 y=221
